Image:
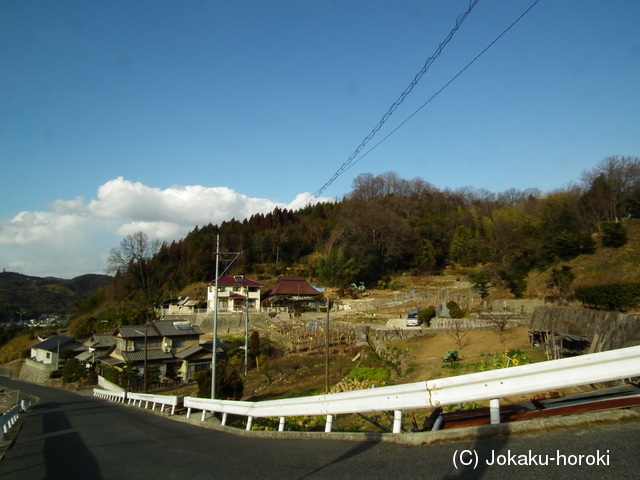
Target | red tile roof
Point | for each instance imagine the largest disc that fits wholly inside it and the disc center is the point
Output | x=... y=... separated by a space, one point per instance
x=292 y=286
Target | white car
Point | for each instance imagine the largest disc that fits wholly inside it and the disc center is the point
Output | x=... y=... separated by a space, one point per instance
x=412 y=318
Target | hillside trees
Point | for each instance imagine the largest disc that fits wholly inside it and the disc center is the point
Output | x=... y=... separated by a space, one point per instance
x=377 y=238
x=387 y=225
x=611 y=190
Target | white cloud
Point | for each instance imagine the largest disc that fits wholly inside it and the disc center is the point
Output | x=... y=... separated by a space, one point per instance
x=34 y=227
x=75 y=234
x=159 y=230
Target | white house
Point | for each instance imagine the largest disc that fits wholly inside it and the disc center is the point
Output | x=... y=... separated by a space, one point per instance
x=48 y=351
x=234 y=293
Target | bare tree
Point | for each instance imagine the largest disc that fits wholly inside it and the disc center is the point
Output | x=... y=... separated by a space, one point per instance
x=457 y=332
x=609 y=188
x=500 y=321
x=132 y=256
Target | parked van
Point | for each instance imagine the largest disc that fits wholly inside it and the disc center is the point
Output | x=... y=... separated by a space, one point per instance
x=412 y=318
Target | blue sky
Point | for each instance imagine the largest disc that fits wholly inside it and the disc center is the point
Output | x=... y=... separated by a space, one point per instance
x=160 y=115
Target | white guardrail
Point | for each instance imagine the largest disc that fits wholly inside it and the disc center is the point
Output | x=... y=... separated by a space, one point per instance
x=10 y=417
x=490 y=385
x=132 y=398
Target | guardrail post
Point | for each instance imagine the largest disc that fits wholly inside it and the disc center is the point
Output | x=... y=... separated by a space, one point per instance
x=249 y=422
x=224 y=419
x=438 y=423
x=397 y=421
x=494 y=410
x=188 y=412
x=281 y=425
x=327 y=426
x=204 y=412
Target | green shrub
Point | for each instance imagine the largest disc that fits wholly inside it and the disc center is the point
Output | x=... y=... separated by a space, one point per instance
x=379 y=375
x=613 y=235
x=568 y=245
x=615 y=297
x=451 y=304
x=461 y=406
x=426 y=315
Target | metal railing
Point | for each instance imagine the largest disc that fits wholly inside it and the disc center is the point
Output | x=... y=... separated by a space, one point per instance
x=8 y=419
x=163 y=400
x=490 y=385
x=132 y=398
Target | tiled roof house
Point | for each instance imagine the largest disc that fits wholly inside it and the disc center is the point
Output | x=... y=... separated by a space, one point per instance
x=233 y=294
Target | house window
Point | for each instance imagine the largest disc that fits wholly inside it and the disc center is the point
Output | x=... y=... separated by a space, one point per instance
x=48 y=355
x=151 y=344
x=179 y=343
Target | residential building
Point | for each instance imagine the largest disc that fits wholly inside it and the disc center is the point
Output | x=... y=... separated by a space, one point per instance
x=185 y=306
x=99 y=346
x=292 y=294
x=196 y=358
x=156 y=344
x=48 y=351
x=234 y=294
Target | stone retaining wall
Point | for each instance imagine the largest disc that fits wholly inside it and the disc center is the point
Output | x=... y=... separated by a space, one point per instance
x=36 y=372
x=607 y=330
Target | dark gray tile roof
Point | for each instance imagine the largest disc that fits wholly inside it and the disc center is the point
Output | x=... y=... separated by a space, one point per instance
x=172 y=328
x=151 y=355
x=137 y=331
x=103 y=340
x=59 y=341
x=188 y=351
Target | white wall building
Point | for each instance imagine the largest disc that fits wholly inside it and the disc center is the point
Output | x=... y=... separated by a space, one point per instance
x=233 y=294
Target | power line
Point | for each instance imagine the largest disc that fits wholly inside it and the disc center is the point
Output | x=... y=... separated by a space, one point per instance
x=445 y=86
x=352 y=161
x=461 y=18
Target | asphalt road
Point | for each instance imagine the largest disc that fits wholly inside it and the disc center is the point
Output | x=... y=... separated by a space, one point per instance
x=70 y=436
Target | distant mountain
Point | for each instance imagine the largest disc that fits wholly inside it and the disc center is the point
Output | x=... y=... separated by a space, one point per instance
x=36 y=296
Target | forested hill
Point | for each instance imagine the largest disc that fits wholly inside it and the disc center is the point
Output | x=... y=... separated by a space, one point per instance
x=388 y=225
x=34 y=296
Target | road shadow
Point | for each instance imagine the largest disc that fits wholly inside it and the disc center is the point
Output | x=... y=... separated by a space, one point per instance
x=473 y=466
x=66 y=456
x=356 y=450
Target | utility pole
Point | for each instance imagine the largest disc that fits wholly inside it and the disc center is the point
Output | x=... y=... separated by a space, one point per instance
x=246 y=330
x=215 y=323
x=215 y=313
x=326 y=360
x=145 y=359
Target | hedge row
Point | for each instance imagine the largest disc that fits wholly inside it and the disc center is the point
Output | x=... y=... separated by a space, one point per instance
x=616 y=297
